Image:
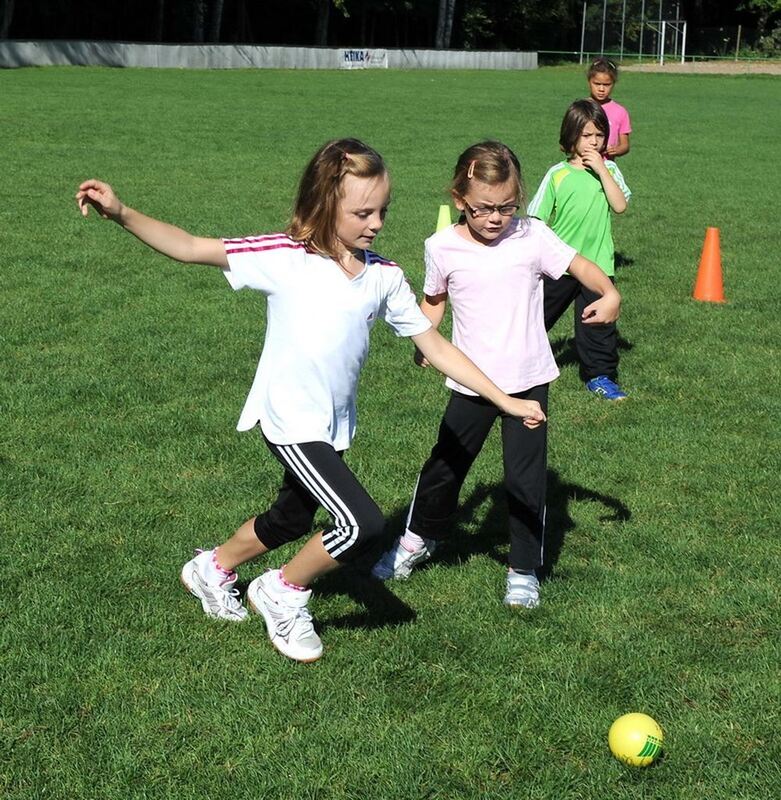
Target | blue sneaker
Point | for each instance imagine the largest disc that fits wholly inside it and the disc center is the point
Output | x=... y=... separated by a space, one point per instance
x=603 y=387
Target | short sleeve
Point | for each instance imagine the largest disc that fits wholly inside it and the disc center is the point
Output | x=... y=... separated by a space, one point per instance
x=555 y=256
x=256 y=262
x=626 y=124
x=401 y=309
x=544 y=201
x=615 y=173
x=435 y=282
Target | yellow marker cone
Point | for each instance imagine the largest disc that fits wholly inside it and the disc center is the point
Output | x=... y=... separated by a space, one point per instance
x=443 y=220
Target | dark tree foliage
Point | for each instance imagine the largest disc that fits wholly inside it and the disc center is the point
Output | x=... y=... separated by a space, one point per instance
x=456 y=24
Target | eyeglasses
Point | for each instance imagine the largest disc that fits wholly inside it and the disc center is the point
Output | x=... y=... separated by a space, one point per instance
x=486 y=211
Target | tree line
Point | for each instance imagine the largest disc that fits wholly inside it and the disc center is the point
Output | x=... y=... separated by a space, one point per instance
x=439 y=24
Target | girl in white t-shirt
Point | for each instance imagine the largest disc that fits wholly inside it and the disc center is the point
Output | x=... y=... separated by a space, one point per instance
x=325 y=290
x=490 y=265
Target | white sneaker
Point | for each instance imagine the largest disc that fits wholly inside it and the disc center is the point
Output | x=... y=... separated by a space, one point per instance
x=287 y=618
x=523 y=591
x=399 y=562
x=218 y=600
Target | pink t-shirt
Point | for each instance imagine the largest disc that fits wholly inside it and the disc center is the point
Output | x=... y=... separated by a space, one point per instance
x=495 y=292
x=618 y=117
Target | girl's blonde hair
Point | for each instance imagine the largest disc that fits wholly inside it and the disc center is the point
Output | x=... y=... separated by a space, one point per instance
x=489 y=162
x=577 y=116
x=320 y=190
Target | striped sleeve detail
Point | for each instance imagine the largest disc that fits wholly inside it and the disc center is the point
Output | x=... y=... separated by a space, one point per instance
x=558 y=177
x=615 y=173
x=541 y=206
x=260 y=244
x=376 y=258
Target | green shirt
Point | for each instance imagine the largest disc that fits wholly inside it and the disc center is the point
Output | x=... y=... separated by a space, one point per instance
x=573 y=204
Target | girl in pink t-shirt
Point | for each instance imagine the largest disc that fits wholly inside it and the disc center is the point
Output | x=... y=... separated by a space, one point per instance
x=490 y=265
x=602 y=76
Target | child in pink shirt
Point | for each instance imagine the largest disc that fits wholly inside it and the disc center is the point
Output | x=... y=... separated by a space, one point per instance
x=490 y=265
x=602 y=76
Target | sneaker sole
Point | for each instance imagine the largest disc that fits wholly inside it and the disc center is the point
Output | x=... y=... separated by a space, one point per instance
x=522 y=606
x=261 y=611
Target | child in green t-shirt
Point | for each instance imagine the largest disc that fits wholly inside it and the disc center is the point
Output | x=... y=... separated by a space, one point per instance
x=575 y=199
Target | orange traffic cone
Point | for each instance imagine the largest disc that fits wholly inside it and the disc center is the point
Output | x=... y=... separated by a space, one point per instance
x=709 y=287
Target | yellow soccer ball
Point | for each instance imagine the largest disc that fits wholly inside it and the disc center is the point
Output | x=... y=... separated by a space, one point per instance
x=635 y=739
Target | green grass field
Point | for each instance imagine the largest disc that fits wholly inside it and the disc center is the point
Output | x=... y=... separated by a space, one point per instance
x=123 y=377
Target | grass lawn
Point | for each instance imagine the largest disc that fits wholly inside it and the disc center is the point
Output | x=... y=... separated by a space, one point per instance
x=123 y=377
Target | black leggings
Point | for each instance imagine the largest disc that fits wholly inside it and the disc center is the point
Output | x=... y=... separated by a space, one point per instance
x=462 y=432
x=316 y=475
x=597 y=345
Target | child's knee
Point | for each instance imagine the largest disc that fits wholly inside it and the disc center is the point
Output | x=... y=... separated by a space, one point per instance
x=352 y=543
x=275 y=530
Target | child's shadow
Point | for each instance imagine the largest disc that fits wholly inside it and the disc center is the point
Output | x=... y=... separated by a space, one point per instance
x=622 y=260
x=381 y=607
x=493 y=540
x=565 y=353
x=558 y=522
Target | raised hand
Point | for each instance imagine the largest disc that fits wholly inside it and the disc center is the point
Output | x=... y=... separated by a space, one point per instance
x=101 y=197
x=593 y=160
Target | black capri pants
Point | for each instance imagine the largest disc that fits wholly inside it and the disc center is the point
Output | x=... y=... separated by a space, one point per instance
x=316 y=475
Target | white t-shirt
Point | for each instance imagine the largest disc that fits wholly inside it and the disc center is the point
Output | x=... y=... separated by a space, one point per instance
x=495 y=293
x=317 y=335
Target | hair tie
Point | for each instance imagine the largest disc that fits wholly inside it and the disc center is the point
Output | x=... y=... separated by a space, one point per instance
x=471 y=171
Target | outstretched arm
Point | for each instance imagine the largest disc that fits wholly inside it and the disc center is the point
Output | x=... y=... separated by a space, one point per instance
x=452 y=362
x=166 y=239
x=608 y=307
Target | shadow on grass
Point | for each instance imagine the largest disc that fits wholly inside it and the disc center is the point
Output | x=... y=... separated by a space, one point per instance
x=622 y=261
x=566 y=355
x=493 y=539
x=382 y=608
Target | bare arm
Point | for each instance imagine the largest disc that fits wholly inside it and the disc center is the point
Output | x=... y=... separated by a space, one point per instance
x=453 y=363
x=608 y=307
x=433 y=306
x=166 y=239
x=615 y=197
x=620 y=149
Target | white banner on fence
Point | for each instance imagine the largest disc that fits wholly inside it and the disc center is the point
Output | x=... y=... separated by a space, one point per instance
x=363 y=59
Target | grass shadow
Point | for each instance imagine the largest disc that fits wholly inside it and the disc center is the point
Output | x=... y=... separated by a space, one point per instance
x=559 y=523
x=382 y=608
x=565 y=353
x=493 y=539
x=621 y=261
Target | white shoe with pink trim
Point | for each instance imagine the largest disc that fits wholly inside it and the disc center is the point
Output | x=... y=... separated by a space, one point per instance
x=287 y=618
x=219 y=599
